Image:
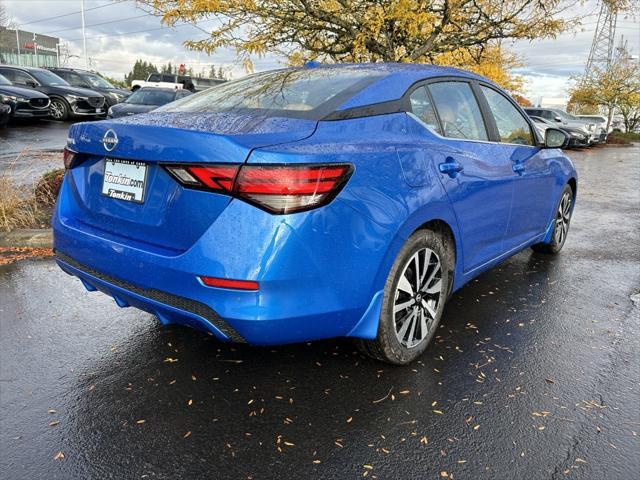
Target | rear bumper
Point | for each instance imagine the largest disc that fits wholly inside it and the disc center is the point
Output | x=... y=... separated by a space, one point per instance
x=168 y=308
x=316 y=279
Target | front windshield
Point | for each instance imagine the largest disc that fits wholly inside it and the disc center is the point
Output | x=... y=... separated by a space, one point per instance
x=151 y=97
x=566 y=116
x=48 y=79
x=97 y=81
x=4 y=80
x=303 y=93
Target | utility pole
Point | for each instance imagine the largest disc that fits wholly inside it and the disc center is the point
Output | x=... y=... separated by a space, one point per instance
x=35 y=49
x=84 y=38
x=18 y=45
x=601 y=53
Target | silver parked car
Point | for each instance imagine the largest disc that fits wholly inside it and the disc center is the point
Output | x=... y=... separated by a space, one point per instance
x=601 y=125
x=563 y=119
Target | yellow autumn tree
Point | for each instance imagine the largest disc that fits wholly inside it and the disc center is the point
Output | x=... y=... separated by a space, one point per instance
x=615 y=88
x=464 y=33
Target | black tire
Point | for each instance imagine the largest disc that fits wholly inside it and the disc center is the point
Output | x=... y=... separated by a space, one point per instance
x=388 y=346
x=562 y=220
x=59 y=109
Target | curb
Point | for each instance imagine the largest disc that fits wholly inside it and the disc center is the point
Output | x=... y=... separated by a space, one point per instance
x=35 y=238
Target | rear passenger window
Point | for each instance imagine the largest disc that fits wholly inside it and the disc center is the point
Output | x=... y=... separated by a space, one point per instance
x=422 y=108
x=458 y=110
x=154 y=77
x=512 y=126
x=169 y=78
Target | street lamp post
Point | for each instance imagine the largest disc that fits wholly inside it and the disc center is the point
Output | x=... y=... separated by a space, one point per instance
x=84 y=38
x=18 y=45
x=35 y=49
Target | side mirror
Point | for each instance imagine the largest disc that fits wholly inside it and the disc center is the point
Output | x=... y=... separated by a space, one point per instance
x=558 y=119
x=555 y=138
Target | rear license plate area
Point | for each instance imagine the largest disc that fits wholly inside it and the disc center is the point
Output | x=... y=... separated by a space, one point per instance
x=124 y=180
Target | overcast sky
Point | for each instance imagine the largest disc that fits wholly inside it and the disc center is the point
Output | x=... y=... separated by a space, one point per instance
x=119 y=32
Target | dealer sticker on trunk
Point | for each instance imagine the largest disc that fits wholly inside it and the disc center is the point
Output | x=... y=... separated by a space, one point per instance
x=124 y=179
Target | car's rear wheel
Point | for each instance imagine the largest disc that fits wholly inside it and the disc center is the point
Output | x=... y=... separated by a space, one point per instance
x=59 y=109
x=561 y=223
x=414 y=297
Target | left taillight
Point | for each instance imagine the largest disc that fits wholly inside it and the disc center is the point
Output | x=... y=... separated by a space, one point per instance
x=68 y=157
x=278 y=189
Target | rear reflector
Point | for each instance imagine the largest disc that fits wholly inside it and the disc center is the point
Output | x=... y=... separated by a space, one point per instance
x=228 y=283
x=277 y=189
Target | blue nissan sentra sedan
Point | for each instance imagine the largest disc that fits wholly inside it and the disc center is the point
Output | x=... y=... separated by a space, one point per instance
x=312 y=202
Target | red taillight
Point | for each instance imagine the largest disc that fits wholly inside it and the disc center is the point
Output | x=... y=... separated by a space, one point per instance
x=228 y=283
x=216 y=177
x=276 y=188
x=68 y=156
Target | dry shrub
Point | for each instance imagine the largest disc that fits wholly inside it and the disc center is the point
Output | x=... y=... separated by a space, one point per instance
x=28 y=206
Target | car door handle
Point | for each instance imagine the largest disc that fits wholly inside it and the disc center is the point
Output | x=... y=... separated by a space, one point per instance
x=450 y=167
x=518 y=168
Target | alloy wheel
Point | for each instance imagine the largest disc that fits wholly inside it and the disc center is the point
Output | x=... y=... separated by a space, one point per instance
x=417 y=298
x=57 y=110
x=562 y=218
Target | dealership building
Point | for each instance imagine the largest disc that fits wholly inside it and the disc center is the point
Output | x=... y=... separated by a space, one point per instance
x=18 y=47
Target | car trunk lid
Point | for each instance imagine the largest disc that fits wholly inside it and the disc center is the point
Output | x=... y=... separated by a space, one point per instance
x=170 y=216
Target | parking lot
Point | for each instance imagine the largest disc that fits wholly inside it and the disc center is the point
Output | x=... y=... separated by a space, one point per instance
x=534 y=374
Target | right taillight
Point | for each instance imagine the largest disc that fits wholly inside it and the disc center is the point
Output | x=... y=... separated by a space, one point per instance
x=278 y=189
x=68 y=158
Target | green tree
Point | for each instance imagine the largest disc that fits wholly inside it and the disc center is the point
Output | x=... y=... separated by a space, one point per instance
x=140 y=71
x=221 y=75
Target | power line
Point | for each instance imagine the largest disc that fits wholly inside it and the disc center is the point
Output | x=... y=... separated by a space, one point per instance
x=97 y=24
x=138 y=31
x=72 y=13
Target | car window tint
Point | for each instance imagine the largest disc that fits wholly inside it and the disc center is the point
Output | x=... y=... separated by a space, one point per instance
x=8 y=74
x=168 y=78
x=458 y=110
x=154 y=77
x=422 y=108
x=74 y=79
x=547 y=114
x=512 y=126
x=21 y=78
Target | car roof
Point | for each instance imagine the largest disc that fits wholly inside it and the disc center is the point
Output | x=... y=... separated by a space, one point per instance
x=397 y=79
x=26 y=69
x=158 y=89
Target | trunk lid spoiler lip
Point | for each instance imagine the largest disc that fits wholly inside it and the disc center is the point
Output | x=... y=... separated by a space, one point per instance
x=181 y=138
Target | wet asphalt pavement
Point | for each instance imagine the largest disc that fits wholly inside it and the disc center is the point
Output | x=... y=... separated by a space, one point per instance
x=33 y=134
x=534 y=374
x=29 y=148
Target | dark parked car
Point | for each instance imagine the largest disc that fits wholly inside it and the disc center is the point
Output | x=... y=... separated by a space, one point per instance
x=23 y=102
x=577 y=136
x=146 y=99
x=5 y=113
x=85 y=79
x=66 y=101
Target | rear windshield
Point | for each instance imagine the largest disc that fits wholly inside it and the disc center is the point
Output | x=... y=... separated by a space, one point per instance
x=151 y=97
x=301 y=93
